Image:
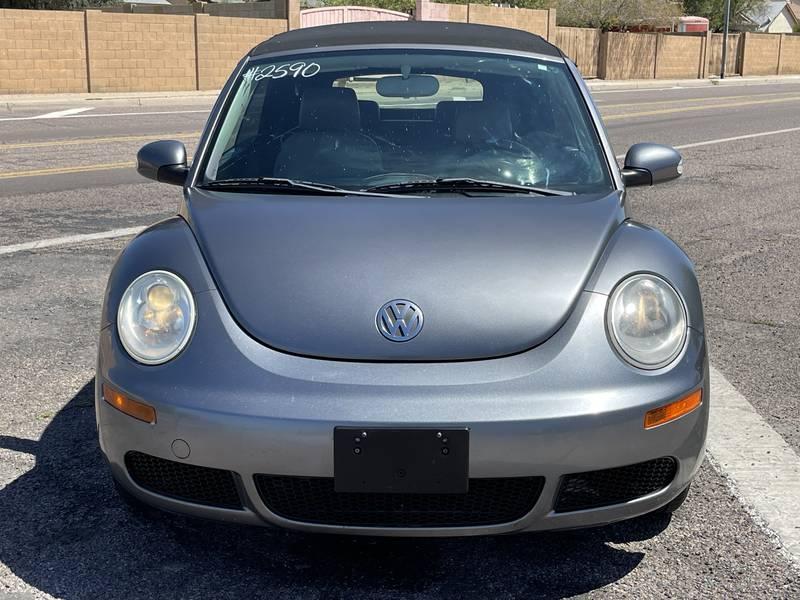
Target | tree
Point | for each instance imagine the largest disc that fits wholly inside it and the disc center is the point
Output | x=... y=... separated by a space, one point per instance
x=53 y=4
x=714 y=11
x=615 y=14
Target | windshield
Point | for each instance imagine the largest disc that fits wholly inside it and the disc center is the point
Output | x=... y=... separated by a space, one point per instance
x=361 y=120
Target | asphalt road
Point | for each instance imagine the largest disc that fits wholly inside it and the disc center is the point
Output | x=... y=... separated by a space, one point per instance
x=64 y=534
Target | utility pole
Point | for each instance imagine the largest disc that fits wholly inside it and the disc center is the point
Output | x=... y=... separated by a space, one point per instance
x=725 y=38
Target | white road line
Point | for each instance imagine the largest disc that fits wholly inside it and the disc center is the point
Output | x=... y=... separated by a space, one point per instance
x=731 y=84
x=70 y=239
x=94 y=115
x=137 y=114
x=736 y=138
x=762 y=467
x=59 y=114
x=63 y=113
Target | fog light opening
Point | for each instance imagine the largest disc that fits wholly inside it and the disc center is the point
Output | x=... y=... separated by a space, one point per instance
x=673 y=410
x=129 y=406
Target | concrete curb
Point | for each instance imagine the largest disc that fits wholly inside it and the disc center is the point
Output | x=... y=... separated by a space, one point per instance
x=17 y=101
x=644 y=84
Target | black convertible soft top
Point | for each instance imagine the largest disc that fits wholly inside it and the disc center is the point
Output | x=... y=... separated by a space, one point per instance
x=407 y=32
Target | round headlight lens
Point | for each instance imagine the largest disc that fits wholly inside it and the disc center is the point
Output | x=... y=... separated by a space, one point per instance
x=647 y=321
x=156 y=317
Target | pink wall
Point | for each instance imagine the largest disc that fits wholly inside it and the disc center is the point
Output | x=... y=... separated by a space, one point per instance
x=330 y=15
x=432 y=11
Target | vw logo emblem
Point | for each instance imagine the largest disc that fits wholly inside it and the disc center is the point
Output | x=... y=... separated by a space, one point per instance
x=399 y=320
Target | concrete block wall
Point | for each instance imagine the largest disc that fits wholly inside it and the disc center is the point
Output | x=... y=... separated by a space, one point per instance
x=439 y=11
x=151 y=9
x=100 y=51
x=142 y=52
x=761 y=51
x=222 y=41
x=533 y=21
x=733 y=62
x=540 y=22
x=582 y=46
x=61 y=51
x=251 y=10
x=683 y=56
x=264 y=9
x=679 y=56
x=627 y=56
x=42 y=51
x=790 y=55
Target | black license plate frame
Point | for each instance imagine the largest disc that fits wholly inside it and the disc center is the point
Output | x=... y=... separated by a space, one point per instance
x=401 y=460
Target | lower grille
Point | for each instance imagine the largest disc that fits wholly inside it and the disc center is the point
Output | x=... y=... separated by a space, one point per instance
x=201 y=485
x=613 y=486
x=313 y=500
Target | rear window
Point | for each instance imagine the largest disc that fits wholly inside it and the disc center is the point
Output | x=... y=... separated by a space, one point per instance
x=359 y=119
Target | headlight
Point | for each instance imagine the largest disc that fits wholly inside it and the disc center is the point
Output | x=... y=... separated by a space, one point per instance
x=156 y=317
x=647 y=321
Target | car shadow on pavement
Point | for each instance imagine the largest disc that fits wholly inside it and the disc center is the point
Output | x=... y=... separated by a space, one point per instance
x=65 y=532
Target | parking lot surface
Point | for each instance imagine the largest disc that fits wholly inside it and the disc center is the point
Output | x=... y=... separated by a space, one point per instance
x=65 y=534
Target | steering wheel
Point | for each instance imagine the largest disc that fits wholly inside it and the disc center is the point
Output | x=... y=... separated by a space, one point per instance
x=514 y=147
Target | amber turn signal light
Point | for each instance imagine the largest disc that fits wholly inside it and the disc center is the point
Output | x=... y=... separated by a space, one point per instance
x=132 y=408
x=673 y=410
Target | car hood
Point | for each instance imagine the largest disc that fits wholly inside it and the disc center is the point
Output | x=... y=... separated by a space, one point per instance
x=492 y=275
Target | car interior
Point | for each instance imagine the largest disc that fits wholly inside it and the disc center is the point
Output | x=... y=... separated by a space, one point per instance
x=336 y=128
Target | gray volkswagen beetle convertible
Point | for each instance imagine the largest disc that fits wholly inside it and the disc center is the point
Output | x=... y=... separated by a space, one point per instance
x=403 y=296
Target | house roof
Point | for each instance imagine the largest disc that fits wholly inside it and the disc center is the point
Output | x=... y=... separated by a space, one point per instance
x=407 y=33
x=764 y=16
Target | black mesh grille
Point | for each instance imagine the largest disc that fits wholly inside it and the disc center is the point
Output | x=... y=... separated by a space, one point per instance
x=202 y=485
x=613 y=486
x=313 y=500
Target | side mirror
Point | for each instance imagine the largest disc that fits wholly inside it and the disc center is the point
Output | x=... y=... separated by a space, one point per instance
x=648 y=164
x=164 y=161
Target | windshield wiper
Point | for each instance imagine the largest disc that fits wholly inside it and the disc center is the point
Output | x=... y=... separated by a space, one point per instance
x=465 y=184
x=280 y=184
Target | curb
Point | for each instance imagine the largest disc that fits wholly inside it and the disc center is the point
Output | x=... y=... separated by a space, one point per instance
x=660 y=84
x=12 y=102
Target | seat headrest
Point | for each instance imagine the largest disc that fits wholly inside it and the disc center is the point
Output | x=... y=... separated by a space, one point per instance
x=482 y=121
x=370 y=113
x=329 y=109
x=446 y=113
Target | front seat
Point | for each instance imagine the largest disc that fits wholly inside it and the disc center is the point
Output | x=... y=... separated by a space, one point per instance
x=327 y=146
x=483 y=125
x=370 y=114
x=482 y=144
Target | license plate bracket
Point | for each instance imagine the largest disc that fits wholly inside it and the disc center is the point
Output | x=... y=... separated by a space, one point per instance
x=402 y=460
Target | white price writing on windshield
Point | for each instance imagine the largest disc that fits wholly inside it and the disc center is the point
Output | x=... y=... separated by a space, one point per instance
x=297 y=69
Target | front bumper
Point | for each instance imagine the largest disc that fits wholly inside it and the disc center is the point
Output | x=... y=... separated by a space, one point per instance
x=568 y=406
